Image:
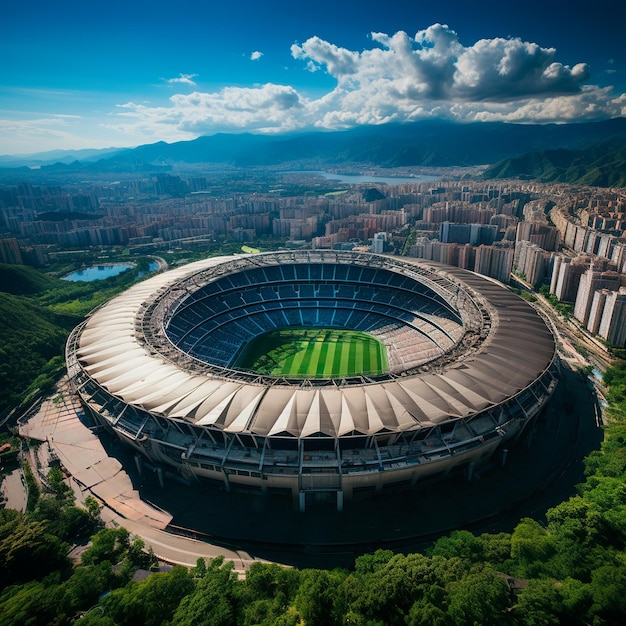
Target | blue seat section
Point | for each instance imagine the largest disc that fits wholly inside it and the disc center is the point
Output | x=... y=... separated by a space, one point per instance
x=217 y=320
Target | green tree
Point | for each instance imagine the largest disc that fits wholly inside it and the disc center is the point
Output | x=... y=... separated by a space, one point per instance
x=371 y=563
x=63 y=521
x=582 y=537
x=27 y=550
x=317 y=596
x=541 y=603
x=462 y=544
x=479 y=599
x=213 y=603
x=150 y=602
x=531 y=547
x=424 y=613
x=108 y=544
x=61 y=490
x=608 y=589
x=497 y=550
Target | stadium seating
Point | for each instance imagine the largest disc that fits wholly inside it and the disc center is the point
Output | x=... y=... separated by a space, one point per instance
x=215 y=322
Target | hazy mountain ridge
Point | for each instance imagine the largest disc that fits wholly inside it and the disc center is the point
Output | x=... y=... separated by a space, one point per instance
x=426 y=144
x=435 y=144
x=55 y=156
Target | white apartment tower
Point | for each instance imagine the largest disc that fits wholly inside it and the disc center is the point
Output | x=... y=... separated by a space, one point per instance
x=613 y=323
x=590 y=282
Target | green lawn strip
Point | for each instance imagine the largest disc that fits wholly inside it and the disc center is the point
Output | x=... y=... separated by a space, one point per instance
x=379 y=358
x=358 y=361
x=351 y=364
x=344 y=364
x=366 y=367
x=281 y=355
x=375 y=358
x=313 y=354
x=323 y=360
x=298 y=358
x=329 y=363
x=339 y=349
x=288 y=366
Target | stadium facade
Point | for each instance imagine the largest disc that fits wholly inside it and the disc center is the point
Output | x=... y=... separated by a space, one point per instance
x=471 y=365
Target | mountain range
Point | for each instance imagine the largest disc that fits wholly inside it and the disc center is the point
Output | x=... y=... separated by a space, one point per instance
x=600 y=165
x=565 y=150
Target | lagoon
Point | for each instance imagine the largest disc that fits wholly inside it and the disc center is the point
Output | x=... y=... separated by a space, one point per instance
x=355 y=179
x=97 y=272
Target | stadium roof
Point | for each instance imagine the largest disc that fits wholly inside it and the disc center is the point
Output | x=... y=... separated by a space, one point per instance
x=517 y=350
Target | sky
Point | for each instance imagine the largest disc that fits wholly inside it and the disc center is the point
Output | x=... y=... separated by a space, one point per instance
x=124 y=73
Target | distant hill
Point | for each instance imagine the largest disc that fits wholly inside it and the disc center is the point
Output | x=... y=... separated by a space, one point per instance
x=38 y=311
x=602 y=165
x=23 y=280
x=55 y=156
x=433 y=144
x=30 y=336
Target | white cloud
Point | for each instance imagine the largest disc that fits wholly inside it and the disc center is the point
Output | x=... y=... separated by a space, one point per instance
x=256 y=55
x=268 y=108
x=398 y=79
x=184 y=79
x=37 y=134
x=434 y=65
x=339 y=61
x=592 y=103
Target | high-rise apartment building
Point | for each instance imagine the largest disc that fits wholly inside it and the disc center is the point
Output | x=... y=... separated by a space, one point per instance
x=597 y=309
x=613 y=323
x=10 y=252
x=495 y=262
x=566 y=275
x=590 y=282
x=544 y=236
x=531 y=261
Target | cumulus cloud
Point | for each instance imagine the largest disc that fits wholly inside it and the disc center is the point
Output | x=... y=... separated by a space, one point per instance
x=434 y=65
x=267 y=108
x=184 y=79
x=399 y=78
x=339 y=61
x=256 y=55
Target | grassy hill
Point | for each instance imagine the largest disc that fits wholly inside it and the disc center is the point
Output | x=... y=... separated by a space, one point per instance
x=22 y=280
x=601 y=165
x=30 y=338
x=38 y=312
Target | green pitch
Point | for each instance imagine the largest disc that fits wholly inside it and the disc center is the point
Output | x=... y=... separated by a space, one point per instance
x=314 y=353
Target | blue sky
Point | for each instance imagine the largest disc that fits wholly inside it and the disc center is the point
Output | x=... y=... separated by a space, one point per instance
x=93 y=75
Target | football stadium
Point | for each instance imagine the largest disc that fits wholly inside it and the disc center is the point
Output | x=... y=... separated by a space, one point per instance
x=316 y=375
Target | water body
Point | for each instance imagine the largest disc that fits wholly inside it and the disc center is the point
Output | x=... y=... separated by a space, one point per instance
x=355 y=179
x=100 y=272
x=153 y=266
x=97 y=272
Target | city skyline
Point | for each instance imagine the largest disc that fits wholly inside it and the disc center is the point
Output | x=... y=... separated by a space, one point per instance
x=75 y=76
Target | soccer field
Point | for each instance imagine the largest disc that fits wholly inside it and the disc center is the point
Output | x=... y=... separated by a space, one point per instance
x=314 y=353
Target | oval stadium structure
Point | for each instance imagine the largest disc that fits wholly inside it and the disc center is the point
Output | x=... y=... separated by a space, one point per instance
x=467 y=365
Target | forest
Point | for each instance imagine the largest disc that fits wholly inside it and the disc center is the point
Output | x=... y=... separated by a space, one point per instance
x=567 y=569
x=38 y=312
